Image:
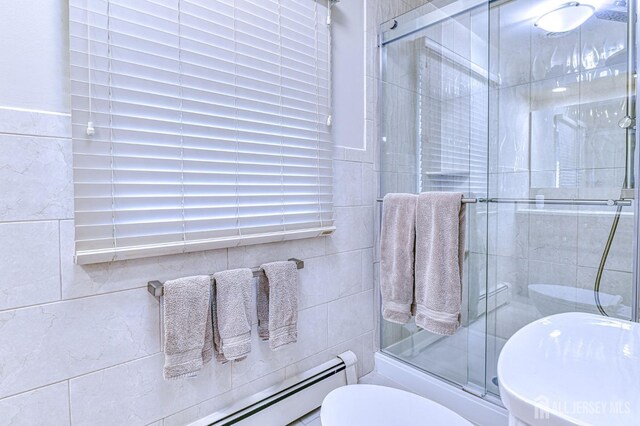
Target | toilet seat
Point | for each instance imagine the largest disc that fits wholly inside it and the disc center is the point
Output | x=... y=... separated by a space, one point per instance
x=370 y=405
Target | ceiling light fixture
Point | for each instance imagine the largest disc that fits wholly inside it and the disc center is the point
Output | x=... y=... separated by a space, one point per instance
x=565 y=18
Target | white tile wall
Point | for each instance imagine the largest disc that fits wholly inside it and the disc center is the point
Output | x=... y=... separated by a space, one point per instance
x=30 y=256
x=82 y=345
x=47 y=405
x=35 y=178
x=53 y=342
x=135 y=393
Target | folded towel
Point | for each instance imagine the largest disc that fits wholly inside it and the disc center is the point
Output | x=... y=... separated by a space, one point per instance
x=187 y=326
x=278 y=304
x=440 y=238
x=397 y=242
x=233 y=314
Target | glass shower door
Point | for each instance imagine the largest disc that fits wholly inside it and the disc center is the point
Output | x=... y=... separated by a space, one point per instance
x=538 y=127
x=434 y=135
x=561 y=220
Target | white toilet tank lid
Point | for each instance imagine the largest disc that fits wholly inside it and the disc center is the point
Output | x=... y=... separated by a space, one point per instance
x=370 y=405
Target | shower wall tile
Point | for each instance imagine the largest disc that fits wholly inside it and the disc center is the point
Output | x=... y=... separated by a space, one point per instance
x=99 y=278
x=47 y=405
x=32 y=166
x=601 y=183
x=594 y=228
x=401 y=65
x=477 y=233
x=603 y=148
x=556 y=133
x=514 y=46
x=312 y=339
x=30 y=264
x=553 y=236
x=513 y=184
x=135 y=393
x=552 y=273
x=350 y=317
x=512 y=231
x=554 y=55
x=599 y=40
x=513 y=129
x=52 y=342
x=514 y=272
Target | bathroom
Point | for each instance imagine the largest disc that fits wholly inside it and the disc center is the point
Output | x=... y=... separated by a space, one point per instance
x=146 y=143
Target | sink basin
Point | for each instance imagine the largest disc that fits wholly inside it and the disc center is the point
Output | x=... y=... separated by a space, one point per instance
x=572 y=369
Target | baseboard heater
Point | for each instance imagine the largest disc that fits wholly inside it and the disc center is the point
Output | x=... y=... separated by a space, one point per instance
x=284 y=403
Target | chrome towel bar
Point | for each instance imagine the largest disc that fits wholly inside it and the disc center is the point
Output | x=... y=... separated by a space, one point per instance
x=554 y=201
x=156 y=288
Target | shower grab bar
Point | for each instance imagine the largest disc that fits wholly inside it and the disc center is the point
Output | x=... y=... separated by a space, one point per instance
x=553 y=201
x=156 y=288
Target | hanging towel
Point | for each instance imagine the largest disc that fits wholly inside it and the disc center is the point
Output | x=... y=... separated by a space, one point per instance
x=187 y=326
x=217 y=343
x=278 y=304
x=232 y=326
x=440 y=239
x=397 y=242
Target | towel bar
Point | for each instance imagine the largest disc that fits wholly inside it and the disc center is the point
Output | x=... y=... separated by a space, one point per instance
x=554 y=201
x=156 y=288
x=464 y=200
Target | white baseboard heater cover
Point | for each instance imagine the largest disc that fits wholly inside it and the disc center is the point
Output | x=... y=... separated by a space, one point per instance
x=284 y=403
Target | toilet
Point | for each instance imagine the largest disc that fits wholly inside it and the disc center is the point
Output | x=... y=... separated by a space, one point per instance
x=370 y=405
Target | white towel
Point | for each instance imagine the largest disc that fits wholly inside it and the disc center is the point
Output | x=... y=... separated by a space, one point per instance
x=440 y=239
x=397 y=241
x=278 y=304
x=232 y=325
x=188 y=331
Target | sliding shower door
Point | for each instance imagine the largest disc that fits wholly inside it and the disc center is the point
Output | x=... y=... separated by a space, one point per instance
x=539 y=128
x=562 y=217
x=434 y=133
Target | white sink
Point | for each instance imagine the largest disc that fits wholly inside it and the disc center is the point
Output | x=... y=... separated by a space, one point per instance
x=572 y=369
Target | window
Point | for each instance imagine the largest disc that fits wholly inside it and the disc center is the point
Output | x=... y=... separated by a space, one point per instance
x=199 y=124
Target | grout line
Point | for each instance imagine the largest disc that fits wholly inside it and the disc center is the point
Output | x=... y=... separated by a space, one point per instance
x=50 y=219
x=60 y=257
x=18 y=308
x=33 y=135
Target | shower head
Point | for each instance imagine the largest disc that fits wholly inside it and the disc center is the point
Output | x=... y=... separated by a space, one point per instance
x=615 y=12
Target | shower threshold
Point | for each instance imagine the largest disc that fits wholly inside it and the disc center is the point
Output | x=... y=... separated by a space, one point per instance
x=486 y=410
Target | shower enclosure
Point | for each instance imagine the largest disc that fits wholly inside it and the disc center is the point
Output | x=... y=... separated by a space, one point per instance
x=537 y=129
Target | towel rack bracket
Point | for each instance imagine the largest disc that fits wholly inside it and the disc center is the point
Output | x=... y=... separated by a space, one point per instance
x=156 y=288
x=299 y=263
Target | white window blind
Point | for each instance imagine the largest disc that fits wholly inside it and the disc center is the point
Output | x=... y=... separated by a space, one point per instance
x=198 y=124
